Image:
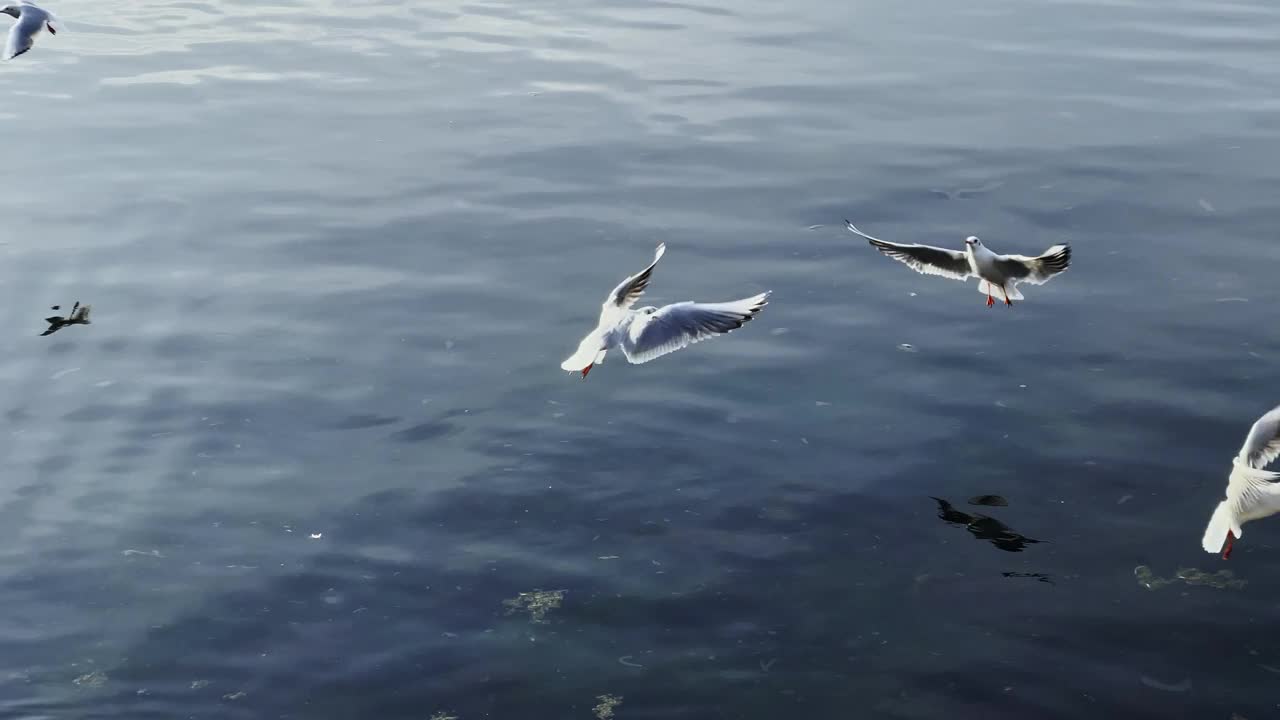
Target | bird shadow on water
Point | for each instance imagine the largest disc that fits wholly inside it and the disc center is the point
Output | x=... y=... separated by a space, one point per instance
x=79 y=315
x=984 y=527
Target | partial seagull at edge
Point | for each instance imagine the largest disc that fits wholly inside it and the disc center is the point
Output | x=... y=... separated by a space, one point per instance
x=31 y=21
x=1252 y=491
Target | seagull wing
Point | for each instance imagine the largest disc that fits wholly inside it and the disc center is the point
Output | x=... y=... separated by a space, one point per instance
x=921 y=258
x=673 y=327
x=630 y=290
x=22 y=34
x=1035 y=270
x=1263 y=444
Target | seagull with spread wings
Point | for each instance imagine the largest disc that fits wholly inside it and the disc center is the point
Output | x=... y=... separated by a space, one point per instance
x=31 y=20
x=1252 y=491
x=998 y=275
x=651 y=332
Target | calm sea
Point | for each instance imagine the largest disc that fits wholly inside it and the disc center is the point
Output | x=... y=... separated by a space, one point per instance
x=315 y=458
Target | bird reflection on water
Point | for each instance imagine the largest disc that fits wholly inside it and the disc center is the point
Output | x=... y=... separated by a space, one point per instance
x=79 y=315
x=984 y=528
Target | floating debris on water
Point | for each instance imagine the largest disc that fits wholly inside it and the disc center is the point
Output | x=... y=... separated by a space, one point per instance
x=1223 y=579
x=199 y=684
x=237 y=695
x=536 y=602
x=962 y=193
x=79 y=315
x=148 y=553
x=316 y=536
x=626 y=660
x=1183 y=686
x=989 y=500
x=908 y=347
x=604 y=710
x=95 y=679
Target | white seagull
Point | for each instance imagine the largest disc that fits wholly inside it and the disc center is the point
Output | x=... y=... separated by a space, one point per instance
x=999 y=275
x=652 y=332
x=1252 y=491
x=31 y=20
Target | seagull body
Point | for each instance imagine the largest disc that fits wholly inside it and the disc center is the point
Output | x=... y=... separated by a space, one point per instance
x=1252 y=491
x=998 y=275
x=31 y=20
x=651 y=332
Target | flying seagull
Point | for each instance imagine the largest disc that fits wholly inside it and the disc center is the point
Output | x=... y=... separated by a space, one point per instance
x=652 y=332
x=1252 y=491
x=31 y=19
x=998 y=275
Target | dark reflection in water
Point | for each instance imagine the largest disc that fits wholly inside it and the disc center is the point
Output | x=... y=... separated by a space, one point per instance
x=989 y=501
x=1040 y=577
x=984 y=527
x=79 y=315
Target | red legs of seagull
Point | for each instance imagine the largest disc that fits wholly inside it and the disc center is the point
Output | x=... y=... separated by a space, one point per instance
x=586 y=370
x=1231 y=539
x=992 y=301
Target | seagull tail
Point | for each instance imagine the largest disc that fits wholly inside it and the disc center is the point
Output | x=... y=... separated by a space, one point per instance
x=1223 y=521
x=996 y=291
x=587 y=353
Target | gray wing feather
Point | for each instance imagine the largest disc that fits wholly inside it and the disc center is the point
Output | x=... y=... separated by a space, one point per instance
x=630 y=290
x=1263 y=444
x=924 y=259
x=682 y=324
x=1035 y=270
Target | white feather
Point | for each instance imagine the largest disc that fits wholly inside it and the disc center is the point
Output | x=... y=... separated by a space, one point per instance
x=1252 y=491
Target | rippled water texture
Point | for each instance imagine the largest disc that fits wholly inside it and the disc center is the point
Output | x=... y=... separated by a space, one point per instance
x=314 y=458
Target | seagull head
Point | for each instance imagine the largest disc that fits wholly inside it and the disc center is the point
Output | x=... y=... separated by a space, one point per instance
x=973 y=242
x=13 y=10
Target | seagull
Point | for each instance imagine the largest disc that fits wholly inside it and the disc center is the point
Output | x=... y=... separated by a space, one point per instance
x=1252 y=491
x=31 y=20
x=998 y=275
x=651 y=332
